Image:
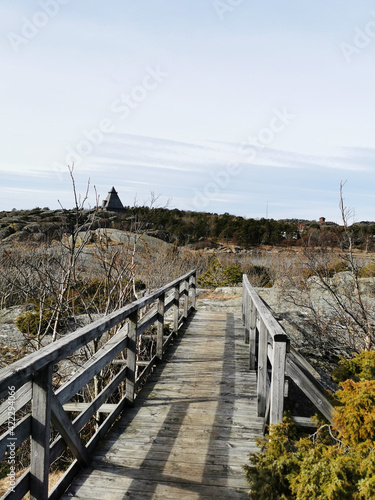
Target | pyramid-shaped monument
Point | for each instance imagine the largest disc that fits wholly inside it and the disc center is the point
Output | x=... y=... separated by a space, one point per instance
x=113 y=203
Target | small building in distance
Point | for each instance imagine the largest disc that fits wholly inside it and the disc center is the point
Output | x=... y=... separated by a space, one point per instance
x=113 y=203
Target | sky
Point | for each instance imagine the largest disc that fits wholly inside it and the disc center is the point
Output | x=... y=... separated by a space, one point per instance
x=255 y=108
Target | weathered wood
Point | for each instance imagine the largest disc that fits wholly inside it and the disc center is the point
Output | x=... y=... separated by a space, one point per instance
x=186 y=298
x=310 y=389
x=272 y=326
x=33 y=369
x=252 y=336
x=176 y=308
x=110 y=350
x=21 y=397
x=193 y=285
x=75 y=468
x=246 y=312
x=150 y=365
x=262 y=369
x=169 y=302
x=304 y=422
x=277 y=382
x=20 y=372
x=138 y=363
x=147 y=321
x=68 y=432
x=160 y=327
x=305 y=366
x=80 y=407
x=58 y=445
x=191 y=427
x=273 y=343
x=61 y=486
x=40 y=433
x=21 y=488
x=131 y=358
x=20 y=433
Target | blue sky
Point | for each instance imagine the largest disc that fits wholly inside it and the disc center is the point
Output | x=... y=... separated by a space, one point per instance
x=247 y=107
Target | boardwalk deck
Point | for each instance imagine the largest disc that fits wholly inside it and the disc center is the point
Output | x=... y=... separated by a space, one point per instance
x=191 y=428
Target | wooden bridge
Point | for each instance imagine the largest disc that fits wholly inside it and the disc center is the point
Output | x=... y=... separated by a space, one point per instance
x=178 y=425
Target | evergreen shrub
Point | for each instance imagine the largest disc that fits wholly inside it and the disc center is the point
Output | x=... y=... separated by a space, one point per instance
x=335 y=463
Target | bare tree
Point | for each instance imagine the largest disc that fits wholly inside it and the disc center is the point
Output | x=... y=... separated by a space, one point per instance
x=328 y=287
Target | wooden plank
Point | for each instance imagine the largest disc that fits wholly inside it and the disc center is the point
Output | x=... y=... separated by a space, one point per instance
x=73 y=470
x=160 y=327
x=186 y=299
x=79 y=422
x=145 y=372
x=169 y=302
x=131 y=358
x=311 y=390
x=110 y=350
x=193 y=285
x=21 y=488
x=208 y=393
x=41 y=362
x=176 y=308
x=21 y=398
x=20 y=372
x=277 y=382
x=79 y=407
x=304 y=422
x=40 y=434
x=147 y=321
x=262 y=369
x=20 y=433
x=252 y=335
x=272 y=325
x=68 y=432
x=61 y=486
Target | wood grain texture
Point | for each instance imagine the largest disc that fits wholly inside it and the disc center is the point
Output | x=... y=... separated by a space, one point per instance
x=191 y=428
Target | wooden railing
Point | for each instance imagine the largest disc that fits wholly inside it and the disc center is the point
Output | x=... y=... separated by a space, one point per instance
x=271 y=354
x=29 y=382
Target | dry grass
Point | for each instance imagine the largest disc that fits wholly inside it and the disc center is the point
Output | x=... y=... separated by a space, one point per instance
x=210 y=294
x=54 y=478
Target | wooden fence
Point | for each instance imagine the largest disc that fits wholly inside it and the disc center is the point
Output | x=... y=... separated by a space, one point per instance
x=271 y=354
x=30 y=382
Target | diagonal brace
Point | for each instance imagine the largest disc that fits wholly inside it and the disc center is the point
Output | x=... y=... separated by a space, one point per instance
x=68 y=432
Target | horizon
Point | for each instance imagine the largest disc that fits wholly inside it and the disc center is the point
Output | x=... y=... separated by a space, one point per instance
x=252 y=109
x=126 y=207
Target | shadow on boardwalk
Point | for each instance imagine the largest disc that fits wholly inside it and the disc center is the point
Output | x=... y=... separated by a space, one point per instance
x=191 y=428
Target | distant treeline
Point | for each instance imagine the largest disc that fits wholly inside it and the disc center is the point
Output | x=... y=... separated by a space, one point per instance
x=206 y=229
x=200 y=229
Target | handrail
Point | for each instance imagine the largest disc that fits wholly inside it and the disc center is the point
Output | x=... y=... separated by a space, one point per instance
x=30 y=380
x=270 y=345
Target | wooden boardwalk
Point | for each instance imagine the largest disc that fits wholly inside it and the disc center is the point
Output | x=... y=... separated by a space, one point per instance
x=191 y=428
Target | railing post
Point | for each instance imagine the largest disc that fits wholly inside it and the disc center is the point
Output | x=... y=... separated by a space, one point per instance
x=194 y=290
x=176 y=309
x=186 y=298
x=40 y=433
x=262 y=369
x=243 y=301
x=278 y=379
x=131 y=358
x=252 y=335
x=160 y=323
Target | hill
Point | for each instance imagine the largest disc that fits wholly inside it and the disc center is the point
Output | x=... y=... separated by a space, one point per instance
x=196 y=229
